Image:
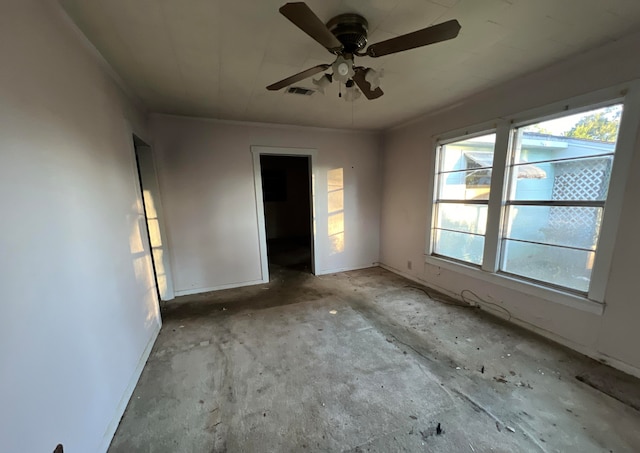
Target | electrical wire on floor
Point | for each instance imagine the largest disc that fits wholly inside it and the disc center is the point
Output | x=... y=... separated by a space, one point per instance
x=467 y=302
x=480 y=299
x=439 y=299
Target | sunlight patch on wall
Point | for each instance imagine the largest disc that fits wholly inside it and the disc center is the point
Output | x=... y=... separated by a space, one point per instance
x=142 y=267
x=135 y=239
x=154 y=232
x=161 y=276
x=155 y=238
x=335 y=201
x=149 y=205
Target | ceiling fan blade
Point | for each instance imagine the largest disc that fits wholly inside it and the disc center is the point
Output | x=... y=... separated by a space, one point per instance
x=365 y=86
x=306 y=20
x=298 y=77
x=430 y=35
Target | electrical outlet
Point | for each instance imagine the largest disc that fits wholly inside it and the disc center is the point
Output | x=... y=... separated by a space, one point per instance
x=409 y=265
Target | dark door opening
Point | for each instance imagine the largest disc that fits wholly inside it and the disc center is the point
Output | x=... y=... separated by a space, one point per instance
x=286 y=189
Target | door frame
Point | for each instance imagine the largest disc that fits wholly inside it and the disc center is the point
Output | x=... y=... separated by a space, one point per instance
x=258 y=151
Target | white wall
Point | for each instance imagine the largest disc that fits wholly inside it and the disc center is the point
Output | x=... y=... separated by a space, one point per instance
x=206 y=177
x=408 y=150
x=78 y=307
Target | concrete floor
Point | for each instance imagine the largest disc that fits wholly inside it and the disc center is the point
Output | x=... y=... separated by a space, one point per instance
x=360 y=362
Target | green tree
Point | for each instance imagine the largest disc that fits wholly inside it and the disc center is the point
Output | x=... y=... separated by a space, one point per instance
x=538 y=129
x=601 y=126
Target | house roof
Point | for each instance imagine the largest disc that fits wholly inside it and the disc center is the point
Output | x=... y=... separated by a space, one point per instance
x=485 y=159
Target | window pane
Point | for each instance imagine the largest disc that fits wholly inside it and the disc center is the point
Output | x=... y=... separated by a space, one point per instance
x=590 y=133
x=461 y=246
x=464 y=173
x=471 y=153
x=570 y=226
x=568 y=180
x=559 y=266
x=568 y=159
x=464 y=185
x=462 y=217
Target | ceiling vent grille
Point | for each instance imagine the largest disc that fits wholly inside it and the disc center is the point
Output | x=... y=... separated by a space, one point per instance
x=301 y=91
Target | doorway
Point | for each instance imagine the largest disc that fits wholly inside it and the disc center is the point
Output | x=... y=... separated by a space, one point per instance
x=285 y=207
x=286 y=188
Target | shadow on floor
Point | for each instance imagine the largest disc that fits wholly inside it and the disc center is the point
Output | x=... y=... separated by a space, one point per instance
x=290 y=253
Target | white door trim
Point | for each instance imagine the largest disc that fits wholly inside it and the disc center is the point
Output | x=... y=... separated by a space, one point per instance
x=257 y=151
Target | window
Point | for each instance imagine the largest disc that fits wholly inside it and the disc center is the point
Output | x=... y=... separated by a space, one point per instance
x=552 y=223
x=548 y=209
x=463 y=180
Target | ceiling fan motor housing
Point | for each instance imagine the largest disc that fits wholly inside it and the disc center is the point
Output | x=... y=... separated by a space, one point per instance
x=351 y=30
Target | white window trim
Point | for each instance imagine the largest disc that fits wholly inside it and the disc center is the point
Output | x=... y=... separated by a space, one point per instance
x=594 y=302
x=530 y=288
x=450 y=137
x=495 y=210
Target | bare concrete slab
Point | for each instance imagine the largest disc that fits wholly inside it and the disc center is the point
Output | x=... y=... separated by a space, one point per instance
x=614 y=383
x=358 y=362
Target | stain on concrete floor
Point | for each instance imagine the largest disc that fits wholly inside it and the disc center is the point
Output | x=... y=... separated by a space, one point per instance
x=360 y=362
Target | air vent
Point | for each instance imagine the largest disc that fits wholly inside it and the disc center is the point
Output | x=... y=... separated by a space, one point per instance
x=301 y=91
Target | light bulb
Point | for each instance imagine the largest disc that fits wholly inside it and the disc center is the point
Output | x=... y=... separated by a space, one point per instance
x=342 y=69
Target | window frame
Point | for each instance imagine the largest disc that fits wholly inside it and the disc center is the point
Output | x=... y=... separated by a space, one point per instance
x=436 y=201
x=593 y=301
x=509 y=200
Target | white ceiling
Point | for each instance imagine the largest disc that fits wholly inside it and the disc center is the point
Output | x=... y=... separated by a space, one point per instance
x=214 y=58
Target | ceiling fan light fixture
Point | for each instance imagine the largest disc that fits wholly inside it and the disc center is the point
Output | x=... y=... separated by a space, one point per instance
x=373 y=77
x=351 y=93
x=342 y=69
x=322 y=82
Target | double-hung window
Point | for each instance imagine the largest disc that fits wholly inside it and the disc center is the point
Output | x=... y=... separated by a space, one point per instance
x=559 y=178
x=463 y=179
x=541 y=222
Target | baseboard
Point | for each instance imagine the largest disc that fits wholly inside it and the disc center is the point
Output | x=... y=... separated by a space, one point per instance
x=589 y=352
x=346 y=269
x=113 y=425
x=188 y=292
x=422 y=282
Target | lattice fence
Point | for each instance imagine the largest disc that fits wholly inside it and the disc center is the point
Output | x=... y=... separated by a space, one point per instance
x=579 y=180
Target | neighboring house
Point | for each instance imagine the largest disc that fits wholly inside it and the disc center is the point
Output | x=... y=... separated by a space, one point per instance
x=552 y=168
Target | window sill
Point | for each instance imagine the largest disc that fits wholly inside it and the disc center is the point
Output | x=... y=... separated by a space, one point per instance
x=543 y=292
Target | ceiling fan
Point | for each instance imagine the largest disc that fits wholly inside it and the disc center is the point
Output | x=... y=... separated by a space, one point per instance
x=345 y=36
